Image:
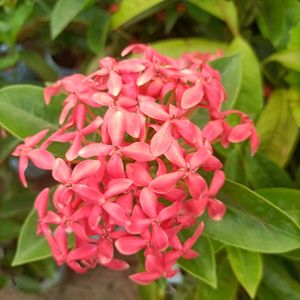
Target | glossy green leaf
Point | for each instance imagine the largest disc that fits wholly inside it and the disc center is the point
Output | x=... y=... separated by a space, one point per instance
x=249 y=99
x=230 y=69
x=288 y=58
x=294 y=101
x=63 y=13
x=203 y=267
x=287 y=199
x=227 y=285
x=221 y=9
x=177 y=47
x=277 y=282
x=7 y=145
x=98 y=30
x=131 y=9
x=294 y=255
x=31 y=247
x=251 y=222
x=277 y=130
x=247 y=267
x=23 y=111
x=38 y=65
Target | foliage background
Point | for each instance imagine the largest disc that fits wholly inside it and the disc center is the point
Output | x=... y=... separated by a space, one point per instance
x=255 y=251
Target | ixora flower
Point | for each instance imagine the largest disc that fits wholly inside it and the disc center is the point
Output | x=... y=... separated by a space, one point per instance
x=130 y=179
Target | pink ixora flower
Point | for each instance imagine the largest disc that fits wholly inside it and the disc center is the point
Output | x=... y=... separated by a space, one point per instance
x=130 y=180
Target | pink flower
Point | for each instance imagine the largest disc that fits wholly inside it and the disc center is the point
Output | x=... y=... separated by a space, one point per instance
x=129 y=181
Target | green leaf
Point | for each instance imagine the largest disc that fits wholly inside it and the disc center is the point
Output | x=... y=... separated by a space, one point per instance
x=9 y=230
x=27 y=284
x=221 y=9
x=23 y=112
x=204 y=266
x=275 y=26
x=31 y=247
x=249 y=99
x=287 y=199
x=247 y=267
x=277 y=283
x=288 y=58
x=149 y=292
x=38 y=65
x=3 y=281
x=63 y=13
x=227 y=285
x=7 y=145
x=9 y=60
x=98 y=30
x=278 y=131
x=130 y=9
x=251 y=222
x=177 y=47
x=294 y=101
x=230 y=69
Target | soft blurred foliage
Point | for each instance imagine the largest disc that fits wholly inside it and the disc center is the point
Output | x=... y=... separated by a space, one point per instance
x=255 y=251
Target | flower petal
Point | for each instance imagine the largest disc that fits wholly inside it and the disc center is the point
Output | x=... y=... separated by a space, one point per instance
x=61 y=171
x=138 y=151
x=162 y=140
x=128 y=245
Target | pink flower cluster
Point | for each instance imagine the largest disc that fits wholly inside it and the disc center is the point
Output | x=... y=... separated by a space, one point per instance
x=129 y=180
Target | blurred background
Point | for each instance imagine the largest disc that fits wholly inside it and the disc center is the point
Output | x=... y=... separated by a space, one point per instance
x=44 y=40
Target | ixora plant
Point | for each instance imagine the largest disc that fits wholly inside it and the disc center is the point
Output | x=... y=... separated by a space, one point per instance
x=137 y=172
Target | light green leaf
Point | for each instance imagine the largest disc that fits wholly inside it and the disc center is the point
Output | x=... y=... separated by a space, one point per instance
x=230 y=69
x=288 y=58
x=23 y=112
x=277 y=282
x=7 y=145
x=278 y=131
x=247 y=267
x=131 y=9
x=221 y=9
x=204 y=266
x=294 y=101
x=177 y=47
x=287 y=199
x=63 y=13
x=252 y=222
x=149 y=292
x=227 y=285
x=249 y=99
x=31 y=247
x=98 y=30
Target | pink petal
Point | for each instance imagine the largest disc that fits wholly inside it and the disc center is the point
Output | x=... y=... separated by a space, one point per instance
x=87 y=193
x=115 y=166
x=79 y=115
x=73 y=151
x=51 y=91
x=105 y=251
x=35 y=139
x=138 y=174
x=240 y=133
x=165 y=183
x=138 y=151
x=154 y=111
x=61 y=171
x=94 y=217
x=254 y=142
x=114 y=83
x=41 y=202
x=41 y=158
x=162 y=140
x=212 y=164
x=93 y=126
x=69 y=103
x=192 y=96
x=130 y=244
x=196 y=184
x=195 y=207
x=216 y=209
x=87 y=251
x=132 y=124
x=217 y=182
x=159 y=238
x=117 y=264
x=103 y=99
x=144 y=277
x=85 y=169
x=23 y=164
x=169 y=212
x=213 y=130
x=199 y=157
x=153 y=263
x=148 y=201
x=95 y=149
x=175 y=154
x=193 y=239
x=117 y=186
x=117 y=213
x=146 y=76
x=116 y=127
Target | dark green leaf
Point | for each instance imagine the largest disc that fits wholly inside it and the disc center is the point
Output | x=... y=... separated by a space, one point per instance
x=7 y=145
x=27 y=284
x=249 y=99
x=230 y=69
x=3 y=281
x=278 y=131
x=31 y=247
x=63 y=13
x=294 y=101
x=9 y=230
x=204 y=266
x=9 y=60
x=247 y=267
x=251 y=222
x=287 y=199
x=288 y=58
x=23 y=112
x=98 y=30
